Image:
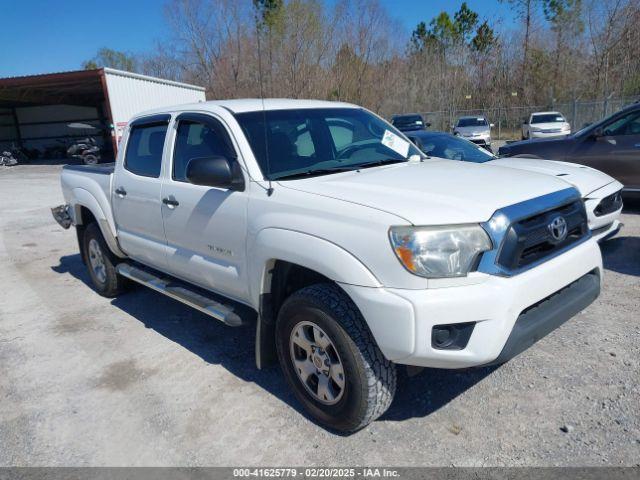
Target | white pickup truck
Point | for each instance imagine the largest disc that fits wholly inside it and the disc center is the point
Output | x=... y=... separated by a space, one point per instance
x=349 y=250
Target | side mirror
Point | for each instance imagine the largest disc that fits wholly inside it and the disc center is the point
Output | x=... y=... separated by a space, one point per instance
x=597 y=133
x=427 y=124
x=215 y=172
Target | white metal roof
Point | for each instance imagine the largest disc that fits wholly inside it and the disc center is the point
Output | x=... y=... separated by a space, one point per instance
x=122 y=73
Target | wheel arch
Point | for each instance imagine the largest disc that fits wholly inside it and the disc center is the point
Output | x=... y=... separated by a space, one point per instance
x=285 y=261
x=86 y=209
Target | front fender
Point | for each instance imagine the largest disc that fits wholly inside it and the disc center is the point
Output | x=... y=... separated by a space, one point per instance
x=314 y=253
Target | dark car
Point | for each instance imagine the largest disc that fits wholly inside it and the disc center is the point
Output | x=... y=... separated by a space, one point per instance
x=409 y=122
x=452 y=147
x=611 y=146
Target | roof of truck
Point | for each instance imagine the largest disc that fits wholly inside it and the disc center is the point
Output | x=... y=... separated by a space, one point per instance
x=241 y=105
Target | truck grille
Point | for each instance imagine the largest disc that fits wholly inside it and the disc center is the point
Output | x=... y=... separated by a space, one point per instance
x=530 y=240
x=609 y=204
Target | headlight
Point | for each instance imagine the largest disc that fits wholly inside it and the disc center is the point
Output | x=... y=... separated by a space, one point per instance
x=443 y=251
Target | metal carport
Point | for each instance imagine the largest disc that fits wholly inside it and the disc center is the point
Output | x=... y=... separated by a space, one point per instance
x=36 y=110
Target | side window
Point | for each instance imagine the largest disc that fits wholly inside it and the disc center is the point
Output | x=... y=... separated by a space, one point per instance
x=341 y=133
x=627 y=125
x=304 y=143
x=144 y=150
x=196 y=140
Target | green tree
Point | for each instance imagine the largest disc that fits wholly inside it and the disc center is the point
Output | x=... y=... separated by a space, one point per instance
x=565 y=18
x=484 y=38
x=465 y=21
x=107 y=57
x=445 y=31
x=269 y=13
x=419 y=37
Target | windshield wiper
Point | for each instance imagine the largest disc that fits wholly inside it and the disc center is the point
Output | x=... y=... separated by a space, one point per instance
x=384 y=161
x=342 y=168
x=311 y=172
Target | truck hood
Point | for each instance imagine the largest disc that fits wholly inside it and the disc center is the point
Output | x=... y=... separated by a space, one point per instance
x=585 y=179
x=433 y=192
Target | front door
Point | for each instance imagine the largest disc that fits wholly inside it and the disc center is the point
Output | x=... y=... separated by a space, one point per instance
x=616 y=151
x=136 y=193
x=205 y=227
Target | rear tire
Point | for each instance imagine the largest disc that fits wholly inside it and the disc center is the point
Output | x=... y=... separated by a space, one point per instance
x=101 y=263
x=349 y=383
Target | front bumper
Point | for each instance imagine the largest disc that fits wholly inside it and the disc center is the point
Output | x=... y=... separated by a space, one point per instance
x=479 y=140
x=402 y=321
x=562 y=133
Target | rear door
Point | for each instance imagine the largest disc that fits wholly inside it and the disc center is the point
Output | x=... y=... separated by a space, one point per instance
x=205 y=226
x=616 y=152
x=137 y=188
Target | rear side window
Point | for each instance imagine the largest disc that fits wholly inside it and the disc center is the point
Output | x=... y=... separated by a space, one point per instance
x=198 y=140
x=144 y=150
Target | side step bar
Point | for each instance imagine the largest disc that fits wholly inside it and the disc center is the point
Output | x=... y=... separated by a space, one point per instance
x=233 y=315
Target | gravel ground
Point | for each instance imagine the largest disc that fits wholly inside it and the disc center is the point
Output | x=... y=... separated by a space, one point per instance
x=143 y=380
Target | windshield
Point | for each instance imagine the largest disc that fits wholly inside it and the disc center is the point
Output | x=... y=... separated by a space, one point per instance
x=606 y=122
x=321 y=140
x=453 y=148
x=472 y=122
x=408 y=121
x=547 y=118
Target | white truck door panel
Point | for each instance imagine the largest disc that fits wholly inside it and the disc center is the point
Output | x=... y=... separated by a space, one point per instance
x=136 y=196
x=206 y=230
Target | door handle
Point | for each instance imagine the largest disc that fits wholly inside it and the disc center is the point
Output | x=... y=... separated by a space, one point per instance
x=170 y=202
x=121 y=192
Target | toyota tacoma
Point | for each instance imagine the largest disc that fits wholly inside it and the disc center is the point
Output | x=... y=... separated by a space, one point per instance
x=349 y=250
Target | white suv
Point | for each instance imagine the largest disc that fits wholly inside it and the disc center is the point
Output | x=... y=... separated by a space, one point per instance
x=545 y=125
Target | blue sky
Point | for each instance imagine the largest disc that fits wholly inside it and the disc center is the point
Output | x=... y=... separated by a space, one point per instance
x=40 y=36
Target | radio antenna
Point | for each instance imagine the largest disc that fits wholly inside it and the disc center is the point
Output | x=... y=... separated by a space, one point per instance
x=264 y=114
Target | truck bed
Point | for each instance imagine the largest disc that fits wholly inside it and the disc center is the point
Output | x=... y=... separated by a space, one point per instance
x=103 y=169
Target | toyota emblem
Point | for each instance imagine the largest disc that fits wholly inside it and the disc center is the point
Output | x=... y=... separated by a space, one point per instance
x=558 y=228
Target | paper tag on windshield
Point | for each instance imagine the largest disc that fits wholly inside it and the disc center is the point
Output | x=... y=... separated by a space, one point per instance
x=395 y=143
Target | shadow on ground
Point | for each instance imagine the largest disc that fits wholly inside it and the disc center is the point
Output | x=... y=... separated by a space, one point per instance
x=233 y=349
x=622 y=254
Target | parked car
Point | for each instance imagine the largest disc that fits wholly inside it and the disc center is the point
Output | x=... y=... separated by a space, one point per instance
x=409 y=122
x=476 y=129
x=611 y=145
x=320 y=224
x=601 y=193
x=545 y=125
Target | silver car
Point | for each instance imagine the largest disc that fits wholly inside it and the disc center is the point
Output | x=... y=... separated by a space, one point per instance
x=475 y=129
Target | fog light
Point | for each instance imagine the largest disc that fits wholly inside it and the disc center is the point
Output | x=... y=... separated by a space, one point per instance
x=453 y=336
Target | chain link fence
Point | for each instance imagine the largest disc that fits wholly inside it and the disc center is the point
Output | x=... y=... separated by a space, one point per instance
x=507 y=121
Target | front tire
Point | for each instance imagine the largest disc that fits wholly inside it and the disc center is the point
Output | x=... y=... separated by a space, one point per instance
x=101 y=263
x=330 y=359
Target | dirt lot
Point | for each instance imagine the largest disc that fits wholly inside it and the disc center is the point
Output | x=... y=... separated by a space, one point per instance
x=142 y=380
